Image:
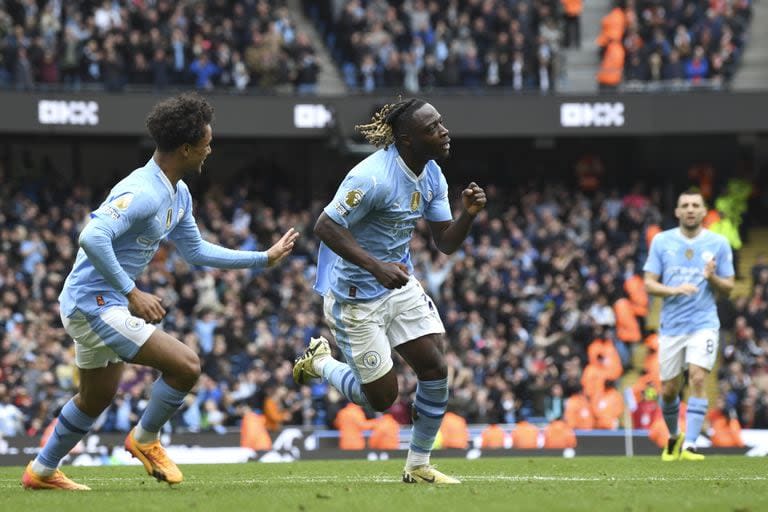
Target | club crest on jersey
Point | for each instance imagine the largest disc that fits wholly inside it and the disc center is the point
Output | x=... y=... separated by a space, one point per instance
x=689 y=253
x=354 y=197
x=371 y=359
x=168 y=218
x=123 y=202
x=134 y=324
x=415 y=200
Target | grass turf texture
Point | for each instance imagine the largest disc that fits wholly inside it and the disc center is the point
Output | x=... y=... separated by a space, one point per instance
x=722 y=483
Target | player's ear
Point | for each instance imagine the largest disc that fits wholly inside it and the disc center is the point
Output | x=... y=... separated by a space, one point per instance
x=404 y=139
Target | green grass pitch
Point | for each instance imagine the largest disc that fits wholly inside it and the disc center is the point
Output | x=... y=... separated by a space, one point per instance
x=591 y=484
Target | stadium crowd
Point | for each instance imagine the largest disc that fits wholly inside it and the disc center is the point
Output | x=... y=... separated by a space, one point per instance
x=159 y=44
x=678 y=42
x=543 y=308
x=425 y=44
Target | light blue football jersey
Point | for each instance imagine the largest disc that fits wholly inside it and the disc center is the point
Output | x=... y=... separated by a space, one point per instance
x=124 y=233
x=379 y=202
x=678 y=259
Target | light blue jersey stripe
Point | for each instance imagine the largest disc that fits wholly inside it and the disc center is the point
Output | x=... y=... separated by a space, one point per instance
x=342 y=339
x=124 y=347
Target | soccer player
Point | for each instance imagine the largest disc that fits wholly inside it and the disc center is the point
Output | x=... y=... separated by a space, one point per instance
x=688 y=266
x=111 y=320
x=372 y=303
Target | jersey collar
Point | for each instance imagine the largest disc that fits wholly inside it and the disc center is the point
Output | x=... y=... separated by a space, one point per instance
x=162 y=176
x=408 y=172
x=701 y=234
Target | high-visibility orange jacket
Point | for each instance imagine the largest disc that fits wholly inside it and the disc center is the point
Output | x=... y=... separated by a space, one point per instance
x=493 y=436
x=351 y=422
x=454 y=432
x=559 y=435
x=572 y=7
x=385 y=434
x=635 y=288
x=627 y=326
x=611 y=70
x=525 y=436
x=578 y=413
x=253 y=432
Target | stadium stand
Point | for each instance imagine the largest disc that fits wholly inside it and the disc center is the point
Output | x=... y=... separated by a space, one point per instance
x=422 y=45
x=114 y=45
x=532 y=308
x=675 y=45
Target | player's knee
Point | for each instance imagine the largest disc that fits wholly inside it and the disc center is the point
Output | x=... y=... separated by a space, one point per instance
x=383 y=401
x=93 y=402
x=698 y=382
x=437 y=371
x=189 y=370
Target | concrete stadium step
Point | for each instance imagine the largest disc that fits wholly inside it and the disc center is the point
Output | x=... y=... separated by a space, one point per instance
x=753 y=69
x=329 y=81
x=758 y=242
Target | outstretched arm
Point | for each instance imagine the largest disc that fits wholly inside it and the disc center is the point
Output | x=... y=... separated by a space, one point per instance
x=200 y=252
x=449 y=235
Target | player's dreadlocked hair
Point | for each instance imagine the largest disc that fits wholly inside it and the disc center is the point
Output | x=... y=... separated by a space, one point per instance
x=179 y=120
x=384 y=124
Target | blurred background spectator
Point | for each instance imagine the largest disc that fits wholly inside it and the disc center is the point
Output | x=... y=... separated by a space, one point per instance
x=541 y=315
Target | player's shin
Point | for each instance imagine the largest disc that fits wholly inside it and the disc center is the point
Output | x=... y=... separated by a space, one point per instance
x=341 y=376
x=694 y=419
x=163 y=403
x=71 y=426
x=671 y=411
x=429 y=408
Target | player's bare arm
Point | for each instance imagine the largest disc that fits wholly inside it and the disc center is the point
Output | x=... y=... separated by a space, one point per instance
x=722 y=285
x=341 y=241
x=282 y=247
x=654 y=287
x=449 y=236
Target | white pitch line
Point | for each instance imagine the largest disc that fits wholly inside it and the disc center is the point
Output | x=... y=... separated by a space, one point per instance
x=467 y=478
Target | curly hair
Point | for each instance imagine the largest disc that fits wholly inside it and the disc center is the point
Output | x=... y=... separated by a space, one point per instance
x=388 y=121
x=179 y=120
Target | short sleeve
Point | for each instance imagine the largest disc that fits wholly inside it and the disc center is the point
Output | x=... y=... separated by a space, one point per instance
x=357 y=195
x=724 y=260
x=439 y=208
x=653 y=263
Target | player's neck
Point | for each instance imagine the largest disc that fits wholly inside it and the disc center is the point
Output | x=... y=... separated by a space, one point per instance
x=690 y=233
x=166 y=164
x=414 y=164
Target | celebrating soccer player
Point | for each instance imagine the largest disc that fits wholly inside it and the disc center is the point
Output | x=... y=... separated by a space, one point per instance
x=688 y=266
x=111 y=320
x=372 y=302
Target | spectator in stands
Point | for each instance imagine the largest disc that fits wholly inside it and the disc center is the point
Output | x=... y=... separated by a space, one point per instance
x=262 y=329
x=91 y=41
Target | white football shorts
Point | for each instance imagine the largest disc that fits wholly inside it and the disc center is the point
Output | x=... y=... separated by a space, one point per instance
x=366 y=332
x=699 y=348
x=113 y=336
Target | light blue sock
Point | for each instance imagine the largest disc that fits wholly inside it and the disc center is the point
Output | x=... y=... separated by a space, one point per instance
x=694 y=417
x=73 y=424
x=430 y=405
x=163 y=403
x=341 y=376
x=671 y=411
